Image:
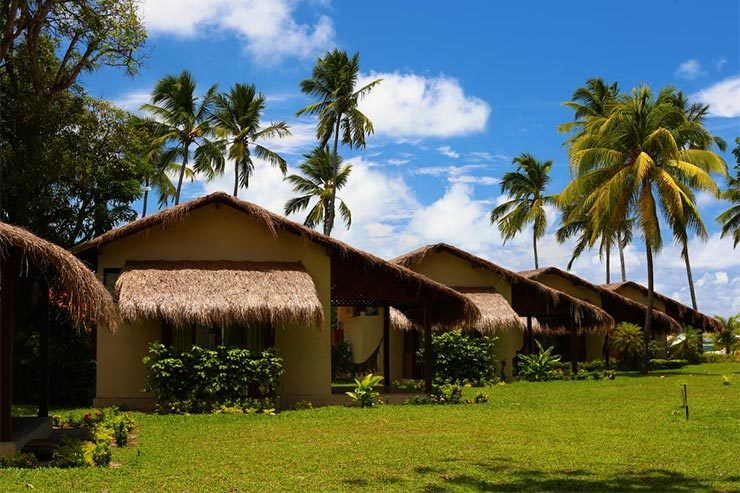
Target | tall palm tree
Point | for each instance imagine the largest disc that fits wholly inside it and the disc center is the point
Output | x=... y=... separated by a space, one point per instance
x=318 y=182
x=730 y=219
x=593 y=101
x=237 y=119
x=185 y=120
x=333 y=82
x=630 y=163
x=526 y=187
x=695 y=114
x=161 y=164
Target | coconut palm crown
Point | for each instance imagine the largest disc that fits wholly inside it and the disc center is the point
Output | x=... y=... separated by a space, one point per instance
x=526 y=189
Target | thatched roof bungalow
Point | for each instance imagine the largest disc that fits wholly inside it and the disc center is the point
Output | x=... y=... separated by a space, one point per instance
x=219 y=269
x=503 y=297
x=621 y=308
x=674 y=309
x=74 y=289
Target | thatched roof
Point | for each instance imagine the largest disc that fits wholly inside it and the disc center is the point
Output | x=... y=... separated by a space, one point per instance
x=555 y=311
x=397 y=285
x=621 y=308
x=496 y=313
x=81 y=294
x=674 y=309
x=220 y=293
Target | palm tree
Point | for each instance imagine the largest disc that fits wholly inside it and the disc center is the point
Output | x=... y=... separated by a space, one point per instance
x=318 y=182
x=575 y=223
x=526 y=187
x=184 y=119
x=160 y=163
x=727 y=338
x=237 y=119
x=730 y=219
x=333 y=83
x=631 y=163
x=695 y=114
x=593 y=101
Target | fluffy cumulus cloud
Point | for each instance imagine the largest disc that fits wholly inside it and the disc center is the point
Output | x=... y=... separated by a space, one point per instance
x=409 y=106
x=268 y=27
x=723 y=98
x=690 y=69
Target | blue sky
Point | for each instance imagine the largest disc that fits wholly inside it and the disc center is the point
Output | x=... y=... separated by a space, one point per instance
x=466 y=87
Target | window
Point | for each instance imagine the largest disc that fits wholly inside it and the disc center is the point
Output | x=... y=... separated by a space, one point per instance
x=110 y=276
x=255 y=339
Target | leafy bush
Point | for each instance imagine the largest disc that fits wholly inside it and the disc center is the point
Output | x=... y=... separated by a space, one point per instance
x=461 y=358
x=341 y=360
x=591 y=366
x=20 y=461
x=481 y=398
x=365 y=394
x=667 y=364
x=627 y=341
x=720 y=358
x=303 y=406
x=728 y=339
x=690 y=347
x=69 y=453
x=538 y=367
x=201 y=380
x=409 y=385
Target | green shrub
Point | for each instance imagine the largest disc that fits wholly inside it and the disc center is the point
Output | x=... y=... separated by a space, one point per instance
x=200 y=380
x=591 y=366
x=538 y=367
x=69 y=453
x=447 y=394
x=728 y=339
x=19 y=461
x=461 y=358
x=481 y=398
x=626 y=342
x=341 y=360
x=365 y=394
x=720 y=358
x=303 y=406
x=409 y=385
x=667 y=364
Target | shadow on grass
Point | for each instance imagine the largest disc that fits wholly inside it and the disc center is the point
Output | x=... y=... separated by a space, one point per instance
x=505 y=475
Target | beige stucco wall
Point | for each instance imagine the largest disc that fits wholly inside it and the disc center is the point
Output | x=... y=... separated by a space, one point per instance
x=217 y=233
x=594 y=346
x=637 y=295
x=566 y=286
x=454 y=271
x=508 y=342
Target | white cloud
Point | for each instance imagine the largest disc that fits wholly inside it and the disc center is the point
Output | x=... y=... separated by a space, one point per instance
x=132 y=101
x=447 y=151
x=720 y=63
x=268 y=27
x=410 y=106
x=690 y=69
x=723 y=98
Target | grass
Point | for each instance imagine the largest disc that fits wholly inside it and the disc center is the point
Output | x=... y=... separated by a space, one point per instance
x=628 y=434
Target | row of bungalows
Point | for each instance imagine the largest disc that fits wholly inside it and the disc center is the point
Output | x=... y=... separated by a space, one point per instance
x=218 y=270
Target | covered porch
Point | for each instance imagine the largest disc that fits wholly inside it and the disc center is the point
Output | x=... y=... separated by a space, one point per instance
x=51 y=277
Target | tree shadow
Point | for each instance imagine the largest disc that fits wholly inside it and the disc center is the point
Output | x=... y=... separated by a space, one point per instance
x=517 y=478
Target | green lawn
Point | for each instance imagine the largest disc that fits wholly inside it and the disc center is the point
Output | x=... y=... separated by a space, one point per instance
x=624 y=435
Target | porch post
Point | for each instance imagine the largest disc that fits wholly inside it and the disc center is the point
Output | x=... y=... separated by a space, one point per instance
x=7 y=284
x=427 y=351
x=386 y=346
x=574 y=350
x=43 y=327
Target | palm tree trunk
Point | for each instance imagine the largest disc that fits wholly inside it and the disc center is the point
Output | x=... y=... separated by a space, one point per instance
x=621 y=256
x=608 y=263
x=236 y=179
x=146 y=196
x=685 y=254
x=182 y=173
x=534 y=245
x=649 y=311
x=329 y=214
